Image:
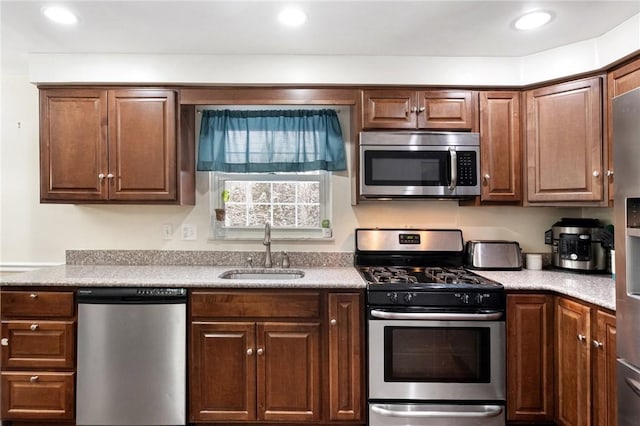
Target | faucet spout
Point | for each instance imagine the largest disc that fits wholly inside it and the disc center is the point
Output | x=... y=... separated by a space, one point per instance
x=267 y=243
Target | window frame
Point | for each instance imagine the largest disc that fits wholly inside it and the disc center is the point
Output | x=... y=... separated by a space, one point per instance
x=218 y=231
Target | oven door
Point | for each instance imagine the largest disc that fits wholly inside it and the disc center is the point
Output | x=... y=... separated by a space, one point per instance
x=413 y=171
x=436 y=415
x=436 y=359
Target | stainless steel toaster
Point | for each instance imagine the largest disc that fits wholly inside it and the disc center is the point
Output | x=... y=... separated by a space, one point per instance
x=493 y=254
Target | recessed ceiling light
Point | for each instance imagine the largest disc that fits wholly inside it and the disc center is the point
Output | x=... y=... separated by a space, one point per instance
x=60 y=15
x=532 y=20
x=292 y=17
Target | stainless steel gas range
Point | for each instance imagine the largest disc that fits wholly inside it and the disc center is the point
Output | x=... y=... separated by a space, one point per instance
x=436 y=331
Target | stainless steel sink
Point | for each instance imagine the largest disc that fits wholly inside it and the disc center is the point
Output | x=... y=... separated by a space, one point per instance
x=262 y=274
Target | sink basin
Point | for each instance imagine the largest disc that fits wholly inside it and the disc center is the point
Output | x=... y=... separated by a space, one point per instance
x=262 y=274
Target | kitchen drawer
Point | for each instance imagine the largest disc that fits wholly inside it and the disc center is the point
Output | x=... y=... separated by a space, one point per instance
x=32 y=395
x=256 y=304
x=38 y=344
x=36 y=304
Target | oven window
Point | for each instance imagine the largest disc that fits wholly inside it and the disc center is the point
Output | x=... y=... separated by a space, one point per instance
x=437 y=354
x=423 y=168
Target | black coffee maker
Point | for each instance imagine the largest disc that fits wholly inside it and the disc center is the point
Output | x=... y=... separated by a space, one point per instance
x=576 y=245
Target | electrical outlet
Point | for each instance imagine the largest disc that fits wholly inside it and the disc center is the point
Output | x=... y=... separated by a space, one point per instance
x=189 y=232
x=167 y=231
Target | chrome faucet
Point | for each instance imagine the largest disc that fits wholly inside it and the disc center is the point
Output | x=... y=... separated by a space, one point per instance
x=267 y=244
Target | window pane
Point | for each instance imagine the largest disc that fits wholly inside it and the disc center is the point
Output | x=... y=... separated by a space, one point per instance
x=260 y=192
x=259 y=214
x=309 y=215
x=236 y=215
x=284 y=192
x=237 y=191
x=309 y=192
x=284 y=215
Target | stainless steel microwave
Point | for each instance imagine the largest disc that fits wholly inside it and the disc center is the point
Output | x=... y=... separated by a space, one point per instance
x=414 y=164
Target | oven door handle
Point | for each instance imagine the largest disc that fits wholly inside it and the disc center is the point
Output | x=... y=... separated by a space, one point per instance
x=490 y=411
x=376 y=313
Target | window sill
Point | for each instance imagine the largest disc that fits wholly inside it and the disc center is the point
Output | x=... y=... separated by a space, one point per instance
x=218 y=232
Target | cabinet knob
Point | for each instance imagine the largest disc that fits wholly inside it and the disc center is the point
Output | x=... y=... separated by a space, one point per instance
x=414 y=109
x=582 y=337
x=101 y=176
x=33 y=296
x=110 y=176
x=597 y=344
x=487 y=176
x=260 y=351
x=34 y=327
x=34 y=379
x=609 y=173
x=249 y=351
x=333 y=321
x=596 y=173
x=4 y=342
x=421 y=109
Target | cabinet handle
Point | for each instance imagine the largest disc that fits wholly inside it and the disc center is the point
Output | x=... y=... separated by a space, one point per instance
x=260 y=351
x=333 y=321
x=34 y=379
x=609 y=173
x=34 y=327
x=249 y=351
x=582 y=337
x=33 y=296
x=597 y=344
x=101 y=176
x=596 y=173
x=110 y=176
x=4 y=342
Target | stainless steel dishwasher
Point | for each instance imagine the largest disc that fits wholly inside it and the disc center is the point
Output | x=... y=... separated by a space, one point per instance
x=131 y=356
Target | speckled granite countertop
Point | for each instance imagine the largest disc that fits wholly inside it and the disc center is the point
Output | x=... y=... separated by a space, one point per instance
x=178 y=276
x=597 y=289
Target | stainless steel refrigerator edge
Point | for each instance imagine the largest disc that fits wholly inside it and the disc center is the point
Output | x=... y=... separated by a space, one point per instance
x=626 y=147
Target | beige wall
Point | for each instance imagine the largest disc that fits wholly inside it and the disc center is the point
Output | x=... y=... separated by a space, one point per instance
x=31 y=232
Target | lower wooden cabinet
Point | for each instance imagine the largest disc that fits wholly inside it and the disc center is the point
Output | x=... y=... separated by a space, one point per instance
x=251 y=364
x=38 y=356
x=561 y=361
x=530 y=395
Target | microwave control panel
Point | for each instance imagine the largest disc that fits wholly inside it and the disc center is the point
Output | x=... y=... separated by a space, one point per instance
x=467 y=168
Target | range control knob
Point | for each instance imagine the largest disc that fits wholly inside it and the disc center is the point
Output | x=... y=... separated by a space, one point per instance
x=393 y=297
x=479 y=298
x=464 y=298
x=408 y=297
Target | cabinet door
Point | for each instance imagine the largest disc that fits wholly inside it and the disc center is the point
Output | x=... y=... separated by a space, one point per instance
x=73 y=144
x=223 y=370
x=38 y=344
x=500 y=144
x=448 y=110
x=564 y=142
x=604 y=385
x=288 y=358
x=619 y=81
x=389 y=109
x=142 y=145
x=37 y=396
x=345 y=356
x=530 y=357
x=573 y=363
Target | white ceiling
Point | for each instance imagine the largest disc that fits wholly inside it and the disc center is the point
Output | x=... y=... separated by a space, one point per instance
x=404 y=28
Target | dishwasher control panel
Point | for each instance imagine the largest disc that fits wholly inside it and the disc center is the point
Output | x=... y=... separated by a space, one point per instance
x=137 y=295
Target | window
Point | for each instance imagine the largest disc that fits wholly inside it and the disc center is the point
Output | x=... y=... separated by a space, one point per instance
x=295 y=204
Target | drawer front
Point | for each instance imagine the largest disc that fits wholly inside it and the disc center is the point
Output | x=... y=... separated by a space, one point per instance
x=37 y=304
x=255 y=304
x=37 y=396
x=38 y=344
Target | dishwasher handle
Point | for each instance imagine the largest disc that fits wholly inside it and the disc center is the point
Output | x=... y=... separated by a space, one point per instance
x=131 y=295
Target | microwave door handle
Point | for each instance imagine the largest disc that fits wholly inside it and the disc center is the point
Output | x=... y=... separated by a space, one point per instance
x=454 y=168
x=490 y=411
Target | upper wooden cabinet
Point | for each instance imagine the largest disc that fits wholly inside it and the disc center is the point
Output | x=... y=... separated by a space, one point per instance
x=564 y=143
x=619 y=81
x=99 y=145
x=500 y=146
x=423 y=109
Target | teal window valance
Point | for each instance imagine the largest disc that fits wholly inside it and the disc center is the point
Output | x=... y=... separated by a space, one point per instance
x=246 y=141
